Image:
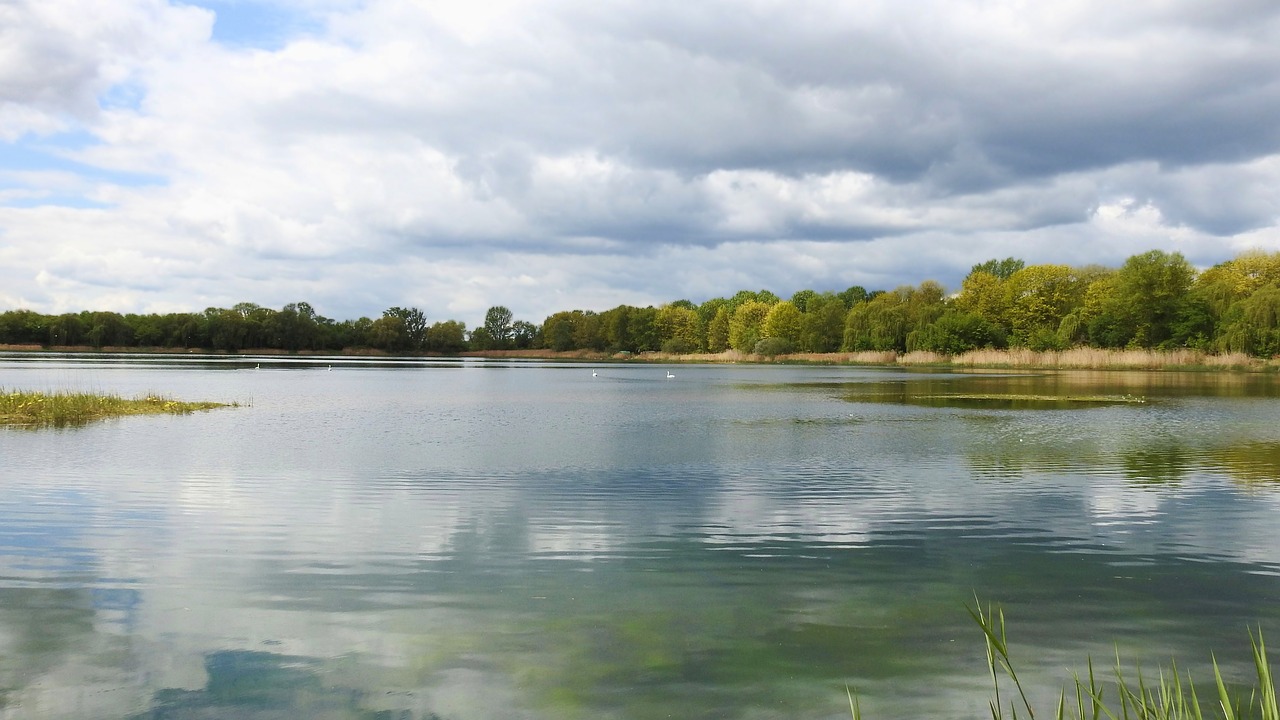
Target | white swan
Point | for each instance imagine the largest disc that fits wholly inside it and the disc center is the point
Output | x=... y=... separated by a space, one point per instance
x=593 y=373
x=669 y=375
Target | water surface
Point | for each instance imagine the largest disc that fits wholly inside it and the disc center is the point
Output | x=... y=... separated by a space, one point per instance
x=470 y=539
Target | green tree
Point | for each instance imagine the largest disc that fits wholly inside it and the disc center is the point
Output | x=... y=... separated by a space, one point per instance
x=644 y=329
x=957 y=331
x=1229 y=282
x=784 y=321
x=558 y=330
x=1252 y=325
x=415 y=325
x=524 y=334
x=66 y=329
x=718 y=330
x=448 y=337
x=679 y=329
x=588 y=334
x=615 y=325
x=479 y=339
x=742 y=297
x=108 y=328
x=854 y=295
x=497 y=324
x=295 y=327
x=147 y=331
x=822 y=327
x=389 y=333
x=746 y=325
x=1039 y=296
x=707 y=310
x=1002 y=269
x=888 y=320
x=984 y=295
x=1145 y=300
x=802 y=298
x=22 y=327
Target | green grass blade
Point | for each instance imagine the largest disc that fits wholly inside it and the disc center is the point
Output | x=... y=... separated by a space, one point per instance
x=1266 y=685
x=1224 y=699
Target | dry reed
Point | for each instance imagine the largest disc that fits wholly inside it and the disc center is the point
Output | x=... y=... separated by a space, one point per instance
x=1102 y=358
x=923 y=357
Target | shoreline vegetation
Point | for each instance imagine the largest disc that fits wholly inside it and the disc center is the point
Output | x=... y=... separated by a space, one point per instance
x=1170 y=695
x=1042 y=315
x=1081 y=358
x=1014 y=358
x=27 y=409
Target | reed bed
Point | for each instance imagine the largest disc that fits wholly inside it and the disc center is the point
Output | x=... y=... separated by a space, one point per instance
x=865 y=357
x=1073 y=359
x=1104 y=359
x=68 y=409
x=923 y=357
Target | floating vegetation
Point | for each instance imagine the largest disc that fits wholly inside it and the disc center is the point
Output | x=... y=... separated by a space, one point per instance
x=65 y=409
x=1027 y=401
x=999 y=401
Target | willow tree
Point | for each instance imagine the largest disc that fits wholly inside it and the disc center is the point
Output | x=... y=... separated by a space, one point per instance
x=887 y=321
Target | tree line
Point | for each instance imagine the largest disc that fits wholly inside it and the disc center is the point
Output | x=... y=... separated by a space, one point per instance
x=1154 y=300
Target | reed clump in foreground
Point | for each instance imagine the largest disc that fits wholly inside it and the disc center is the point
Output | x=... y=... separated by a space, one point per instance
x=1170 y=696
x=67 y=409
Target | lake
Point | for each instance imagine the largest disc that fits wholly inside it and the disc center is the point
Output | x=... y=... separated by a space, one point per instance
x=462 y=539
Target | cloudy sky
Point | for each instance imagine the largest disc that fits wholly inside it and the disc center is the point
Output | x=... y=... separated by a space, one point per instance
x=160 y=156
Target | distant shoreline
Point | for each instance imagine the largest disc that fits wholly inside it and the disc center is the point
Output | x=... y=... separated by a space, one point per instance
x=1016 y=358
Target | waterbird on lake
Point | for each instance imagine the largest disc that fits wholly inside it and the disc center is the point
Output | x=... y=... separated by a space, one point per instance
x=593 y=373
x=669 y=375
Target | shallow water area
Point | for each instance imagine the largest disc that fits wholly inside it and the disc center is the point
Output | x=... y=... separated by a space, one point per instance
x=371 y=538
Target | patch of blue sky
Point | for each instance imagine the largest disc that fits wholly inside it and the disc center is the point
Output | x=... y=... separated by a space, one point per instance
x=259 y=24
x=23 y=162
x=123 y=96
x=75 y=202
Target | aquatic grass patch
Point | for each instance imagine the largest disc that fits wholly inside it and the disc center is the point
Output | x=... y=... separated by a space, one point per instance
x=69 y=409
x=1024 y=401
x=997 y=401
x=1170 y=695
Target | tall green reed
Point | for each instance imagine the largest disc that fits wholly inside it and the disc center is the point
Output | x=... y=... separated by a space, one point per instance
x=1171 y=695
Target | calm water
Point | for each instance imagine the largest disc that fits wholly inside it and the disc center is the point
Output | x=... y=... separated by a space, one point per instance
x=464 y=540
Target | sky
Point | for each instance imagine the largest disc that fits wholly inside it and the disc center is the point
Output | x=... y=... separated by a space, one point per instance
x=163 y=156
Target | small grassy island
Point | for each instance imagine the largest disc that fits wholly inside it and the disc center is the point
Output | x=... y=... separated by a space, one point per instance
x=66 y=409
